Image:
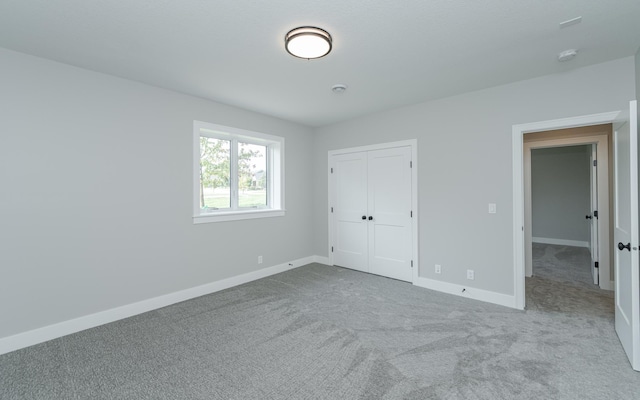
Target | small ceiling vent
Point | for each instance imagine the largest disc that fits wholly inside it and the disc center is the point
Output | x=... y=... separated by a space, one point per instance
x=570 y=22
x=339 y=88
x=567 y=55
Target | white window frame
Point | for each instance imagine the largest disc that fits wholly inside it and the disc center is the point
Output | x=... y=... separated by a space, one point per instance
x=275 y=173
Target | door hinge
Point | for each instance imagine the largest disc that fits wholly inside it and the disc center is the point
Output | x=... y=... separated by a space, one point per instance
x=410 y=164
x=332 y=249
x=595 y=163
x=597 y=265
x=411 y=263
x=331 y=209
x=332 y=170
x=411 y=214
x=595 y=214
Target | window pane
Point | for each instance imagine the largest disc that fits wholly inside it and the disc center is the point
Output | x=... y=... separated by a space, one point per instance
x=215 y=174
x=252 y=175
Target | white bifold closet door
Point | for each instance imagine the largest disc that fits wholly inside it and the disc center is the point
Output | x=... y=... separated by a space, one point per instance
x=372 y=212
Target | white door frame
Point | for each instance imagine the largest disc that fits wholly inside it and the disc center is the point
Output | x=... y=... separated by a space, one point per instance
x=595 y=189
x=603 y=198
x=518 y=184
x=413 y=144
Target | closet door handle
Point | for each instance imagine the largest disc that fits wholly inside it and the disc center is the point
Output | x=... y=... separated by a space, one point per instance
x=370 y=218
x=588 y=217
x=364 y=217
x=623 y=246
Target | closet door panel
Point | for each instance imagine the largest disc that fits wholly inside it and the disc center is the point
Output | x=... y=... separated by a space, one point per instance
x=389 y=203
x=350 y=205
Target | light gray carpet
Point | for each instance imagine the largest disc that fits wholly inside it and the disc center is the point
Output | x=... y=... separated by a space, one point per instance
x=566 y=264
x=321 y=332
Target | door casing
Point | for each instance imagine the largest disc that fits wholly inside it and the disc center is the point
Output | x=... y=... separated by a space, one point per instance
x=517 y=134
x=594 y=241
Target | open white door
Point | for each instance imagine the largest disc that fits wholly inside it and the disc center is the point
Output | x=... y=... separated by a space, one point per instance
x=593 y=216
x=627 y=275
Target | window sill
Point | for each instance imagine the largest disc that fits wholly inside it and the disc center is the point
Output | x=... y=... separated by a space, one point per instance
x=221 y=216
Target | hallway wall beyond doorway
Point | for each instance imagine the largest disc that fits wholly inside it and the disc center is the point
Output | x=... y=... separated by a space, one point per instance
x=560 y=195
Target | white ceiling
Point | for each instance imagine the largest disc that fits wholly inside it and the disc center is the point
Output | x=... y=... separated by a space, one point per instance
x=389 y=53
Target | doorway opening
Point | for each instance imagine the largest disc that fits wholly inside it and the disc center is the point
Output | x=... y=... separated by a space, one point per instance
x=564 y=221
x=566 y=201
x=518 y=133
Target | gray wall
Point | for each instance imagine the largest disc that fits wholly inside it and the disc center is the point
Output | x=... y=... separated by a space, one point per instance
x=561 y=191
x=638 y=74
x=96 y=200
x=96 y=177
x=464 y=163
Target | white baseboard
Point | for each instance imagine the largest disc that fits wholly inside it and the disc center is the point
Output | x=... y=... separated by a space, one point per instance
x=322 y=260
x=561 y=242
x=468 y=292
x=39 y=335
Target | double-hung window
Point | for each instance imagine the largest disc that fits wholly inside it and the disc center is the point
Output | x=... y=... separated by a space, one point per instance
x=238 y=174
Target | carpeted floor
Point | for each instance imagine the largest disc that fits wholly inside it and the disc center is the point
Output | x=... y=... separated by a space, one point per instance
x=566 y=264
x=321 y=332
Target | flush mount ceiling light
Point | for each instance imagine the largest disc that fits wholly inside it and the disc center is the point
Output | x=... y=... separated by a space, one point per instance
x=308 y=42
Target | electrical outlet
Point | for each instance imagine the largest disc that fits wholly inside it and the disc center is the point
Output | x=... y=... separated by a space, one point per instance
x=259 y=259
x=470 y=274
x=492 y=208
x=438 y=269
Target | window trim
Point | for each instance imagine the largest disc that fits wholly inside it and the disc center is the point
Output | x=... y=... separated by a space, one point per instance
x=275 y=172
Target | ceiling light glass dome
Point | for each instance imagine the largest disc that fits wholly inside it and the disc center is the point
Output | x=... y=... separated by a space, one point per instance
x=308 y=42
